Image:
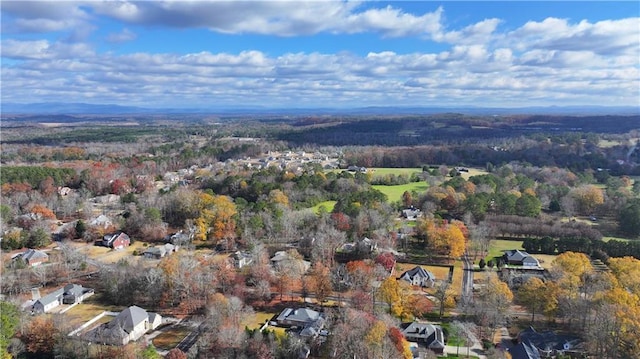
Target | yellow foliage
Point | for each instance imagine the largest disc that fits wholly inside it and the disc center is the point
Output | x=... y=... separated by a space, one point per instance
x=376 y=333
x=278 y=197
x=627 y=271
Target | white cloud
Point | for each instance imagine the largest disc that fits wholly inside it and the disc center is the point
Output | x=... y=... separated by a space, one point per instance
x=466 y=74
x=610 y=37
x=122 y=36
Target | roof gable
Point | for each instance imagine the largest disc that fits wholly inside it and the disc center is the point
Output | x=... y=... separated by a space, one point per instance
x=419 y=272
x=130 y=317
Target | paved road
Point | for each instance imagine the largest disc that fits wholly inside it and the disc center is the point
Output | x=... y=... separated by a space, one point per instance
x=467 y=279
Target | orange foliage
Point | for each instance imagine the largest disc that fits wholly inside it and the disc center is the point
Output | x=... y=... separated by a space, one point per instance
x=43 y=211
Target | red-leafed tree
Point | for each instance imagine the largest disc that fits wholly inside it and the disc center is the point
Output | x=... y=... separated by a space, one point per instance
x=387 y=260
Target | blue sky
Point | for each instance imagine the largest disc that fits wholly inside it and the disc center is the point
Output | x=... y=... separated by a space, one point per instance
x=321 y=53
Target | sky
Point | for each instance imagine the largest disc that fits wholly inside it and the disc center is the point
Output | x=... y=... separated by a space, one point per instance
x=321 y=54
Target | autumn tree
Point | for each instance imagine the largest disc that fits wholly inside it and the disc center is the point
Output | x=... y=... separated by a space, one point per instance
x=175 y=353
x=40 y=336
x=627 y=272
x=588 y=198
x=537 y=296
x=443 y=237
x=387 y=260
x=217 y=218
x=407 y=199
x=321 y=282
x=492 y=303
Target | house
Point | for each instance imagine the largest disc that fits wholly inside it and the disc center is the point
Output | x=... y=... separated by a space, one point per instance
x=410 y=213
x=158 y=252
x=129 y=325
x=534 y=345
x=363 y=246
x=48 y=302
x=308 y=322
x=117 y=240
x=518 y=257
x=101 y=221
x=75 y=293
x=69 y=294
x=428 y=335
x=367 y=245
x=241 y=259
x=419 y=276
x=284 y=259
x=33 y=257
x=154 y=252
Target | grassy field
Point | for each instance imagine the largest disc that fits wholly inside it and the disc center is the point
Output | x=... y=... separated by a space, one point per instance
x=545 y=260
x=258 y=319
x=608 y=143
x=171 y=337
x=473 y=172
x=498 y=246
x=379 y=172
x=328 y=206
x=394 y=193
x=85 y=311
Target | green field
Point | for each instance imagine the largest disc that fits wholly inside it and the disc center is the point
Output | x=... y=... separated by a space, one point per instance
x=498 y=246
x=328 y=206
x=379 y=172
x=394 y=193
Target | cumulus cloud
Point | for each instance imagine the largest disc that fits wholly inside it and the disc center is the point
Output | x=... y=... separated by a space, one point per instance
x=465 y=74
x=540 y=62
x=610 y=37
x=122 y=36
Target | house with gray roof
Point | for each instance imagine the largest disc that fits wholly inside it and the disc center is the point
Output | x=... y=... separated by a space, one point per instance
x=419 y=276
x=308 y=321
x=33 y=257
x=69 y=294
x=159 y=251
x=48 y=302
x=535 y=345
x=425 y=334
x=129 y=325
x=518 y=257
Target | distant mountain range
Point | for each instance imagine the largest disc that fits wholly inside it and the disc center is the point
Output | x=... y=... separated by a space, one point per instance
x=110 y=109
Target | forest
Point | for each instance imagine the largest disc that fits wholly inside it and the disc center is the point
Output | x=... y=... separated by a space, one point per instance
x=268 y=213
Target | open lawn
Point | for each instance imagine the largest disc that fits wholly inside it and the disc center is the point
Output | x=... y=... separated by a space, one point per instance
x=85 y=311
x=171 y=337
x=545 y=260
x=328 y=206
x=473 y=172
x=608 y=143
x=379 y=172
x=394 y=193
x=257 y=319
x=498 y=246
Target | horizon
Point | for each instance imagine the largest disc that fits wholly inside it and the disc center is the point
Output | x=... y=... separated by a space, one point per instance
x=321 y=54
